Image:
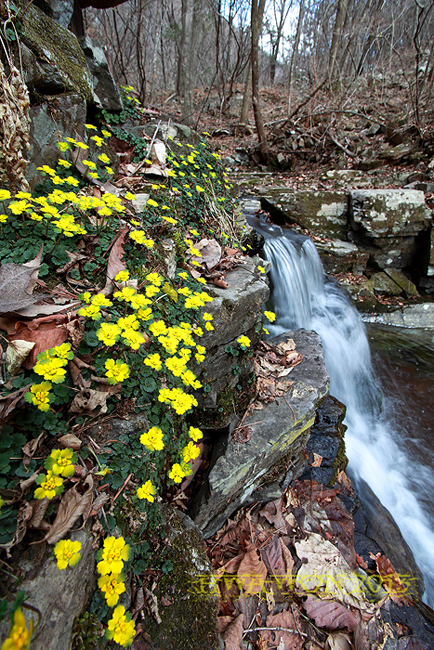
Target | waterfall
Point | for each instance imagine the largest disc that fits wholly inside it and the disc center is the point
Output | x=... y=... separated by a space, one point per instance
x=304 y=296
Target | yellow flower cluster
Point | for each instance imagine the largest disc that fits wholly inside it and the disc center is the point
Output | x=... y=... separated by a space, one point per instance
x=51 y=365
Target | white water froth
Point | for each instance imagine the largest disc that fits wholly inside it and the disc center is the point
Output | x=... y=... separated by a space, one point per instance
x=304 y=297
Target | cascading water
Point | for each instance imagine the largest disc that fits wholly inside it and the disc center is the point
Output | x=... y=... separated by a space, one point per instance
x=303 y=296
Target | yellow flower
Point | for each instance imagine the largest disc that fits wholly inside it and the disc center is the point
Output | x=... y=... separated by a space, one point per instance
x=101 y=301
x=244 y=341
x=266 y=331
x=126 y=294
x=154 y=361
x=190 y=452
x=207 y=316
x=270 y=315
x=67 y=552
x=176 y=473
x=155 y=278
x=63 y=146
x=116 y=371
x=4 y=217
x=39 y=395
x=199 y=189
x=109 y=333
x=114 y=553
x=19 y=636
x=93 y=175
x=106 y=134
x=152 y=203
x=4 y=194
x=195 y=433
x=209 y=327
x=130 y=196
x=158 y=328
x=90 y=127
x=153 y=439
x=92 y=312
x=51 y=370
x=122 y=276
x=147 y=491
x=104 y=158
x=120 y=628
x=50 y=486
x=18 y=207
x=109 y=171
x=61 y=462
x=46 y=170
x=111 y=586
x=261 y=269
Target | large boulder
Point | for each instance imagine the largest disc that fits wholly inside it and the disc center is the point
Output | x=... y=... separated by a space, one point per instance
x=59 y=596
x=263 y=467
x=105 y=93
x=389 y=223
x=60 y=116
x=53 y=58
x=322 y=213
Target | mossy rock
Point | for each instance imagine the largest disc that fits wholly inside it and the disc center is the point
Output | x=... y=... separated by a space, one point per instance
x=59 y=57
x=189 y=613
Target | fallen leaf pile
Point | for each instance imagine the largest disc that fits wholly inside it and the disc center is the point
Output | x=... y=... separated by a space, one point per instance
x=288 y=577
x=272 y=364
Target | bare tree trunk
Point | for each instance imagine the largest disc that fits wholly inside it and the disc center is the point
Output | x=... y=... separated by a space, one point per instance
x=256 y=22
x=189 y=58
x=337 y=32
x=294 y=52
x=247 y=98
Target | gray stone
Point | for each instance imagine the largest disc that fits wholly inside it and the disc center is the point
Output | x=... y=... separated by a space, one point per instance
x=236 y=311
x=340 y=256
x=136 y=424
x=59 y=596
x=411 y=316
x=105 y=92
x=139 y=203
x=61 y=11
x=58 y=55
x=322 y=213
x=179 y=132
x=388 y=213
x=61 y=116
x=274 y=451
x=391 y=283
x=190 y=621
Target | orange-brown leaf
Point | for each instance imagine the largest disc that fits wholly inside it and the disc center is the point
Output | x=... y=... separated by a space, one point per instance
x=234 y=634
x=252 y=571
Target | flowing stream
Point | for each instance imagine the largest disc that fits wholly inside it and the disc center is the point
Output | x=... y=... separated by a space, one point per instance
x=304 y=297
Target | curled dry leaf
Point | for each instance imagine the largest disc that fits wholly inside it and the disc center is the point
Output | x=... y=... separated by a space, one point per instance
x=287 y=640
x=330 y=614
x=31 y=446
x=210 y=251
x=115 y=263
x=220 y=283
x=71 y=507
x=89 y=401
x=45 y=332
x=390 y=580
x=339 y=641
x=69 y=440
x=25 y=513
x=16 y=284
x=16 y=353
x=9 y=403
x=39 y=508
x=152 y=603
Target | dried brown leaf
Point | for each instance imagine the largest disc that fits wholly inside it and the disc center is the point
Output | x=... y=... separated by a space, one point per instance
x=71 y=507
x=39 y=508
x=210 y=251
x=69 y=440
x=233 y=634
x=330 y=614
x=31 y=446
x=88 y=401
x=252 y=571
x=8 y=403
x=339 y=641
x=220 y=283
x=16 y=353
x=286 y=639
x=390 y=580
x=115 y=263
x=16 y=284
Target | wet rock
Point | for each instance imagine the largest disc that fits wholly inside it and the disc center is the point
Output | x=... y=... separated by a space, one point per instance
x=322 y=213
x=59 y=117
x=61 y=11
x=274 y=452
x=414 y=316
x=375 y=522
x=391 y=283
x=340 y=256
x=59 y=596
x=327 y=440
x=189 y=613
x=105 y=92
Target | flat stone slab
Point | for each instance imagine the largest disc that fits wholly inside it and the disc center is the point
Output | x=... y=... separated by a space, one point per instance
x=322 y=212
x=412 y=316
x=273 y=454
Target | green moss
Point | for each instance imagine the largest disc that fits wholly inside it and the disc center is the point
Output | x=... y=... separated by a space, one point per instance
x=57 y=46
